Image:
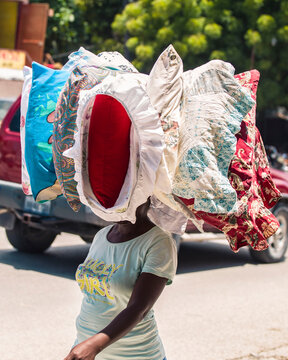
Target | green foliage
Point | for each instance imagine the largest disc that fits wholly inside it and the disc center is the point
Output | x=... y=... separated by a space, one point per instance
x=252 y=37
x=191 y=8
x=247 y=33
x=181 y=48
x=229 y=21
x=137 y=26
x=144 y=52
x=133 y=10
x=266 y=23
x=80 y=23
x=251 y=5
x=132 y=43
x=119 y=24
x=165 y=35
x=218 y=54
x=283 y=33
x=206 y=5
x=165 y=8
x=213 y=31
x=195 y=25
x=197 y=43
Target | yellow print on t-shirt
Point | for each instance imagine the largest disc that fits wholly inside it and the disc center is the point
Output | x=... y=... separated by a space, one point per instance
x=93 y=277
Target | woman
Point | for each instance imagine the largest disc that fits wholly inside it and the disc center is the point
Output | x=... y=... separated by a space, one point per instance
x=125 y=272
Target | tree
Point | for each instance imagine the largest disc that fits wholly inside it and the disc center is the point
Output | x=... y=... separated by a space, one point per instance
x=247 y=33
x=78 y=23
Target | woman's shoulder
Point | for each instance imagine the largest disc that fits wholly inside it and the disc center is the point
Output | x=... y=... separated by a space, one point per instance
x=161 y=238
x=101 y=234
x=161 y=233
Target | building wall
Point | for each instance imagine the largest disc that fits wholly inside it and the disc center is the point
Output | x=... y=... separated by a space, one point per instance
x=10 y=89
x=8 y=23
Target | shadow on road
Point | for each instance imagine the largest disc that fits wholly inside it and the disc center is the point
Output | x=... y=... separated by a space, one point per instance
x=63 y=260
x=59 y=260
x=208 y=255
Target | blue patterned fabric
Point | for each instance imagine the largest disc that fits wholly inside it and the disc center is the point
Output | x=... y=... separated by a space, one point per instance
x=46 y=86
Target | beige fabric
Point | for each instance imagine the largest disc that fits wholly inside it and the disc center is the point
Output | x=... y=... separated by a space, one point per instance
x=164 y=88
x=49 y=192
x=166 y=218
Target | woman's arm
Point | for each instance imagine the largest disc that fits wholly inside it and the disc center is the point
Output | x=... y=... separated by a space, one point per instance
x=147 y=289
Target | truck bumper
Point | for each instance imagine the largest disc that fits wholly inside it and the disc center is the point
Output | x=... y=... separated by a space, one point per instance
x=13 y=199
x=7 y=219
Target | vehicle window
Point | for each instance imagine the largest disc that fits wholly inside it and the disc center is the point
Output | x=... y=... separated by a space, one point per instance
x=4 y=107
x=15 y=122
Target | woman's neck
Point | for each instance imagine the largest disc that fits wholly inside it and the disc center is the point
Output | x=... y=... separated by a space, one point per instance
x=125 y=231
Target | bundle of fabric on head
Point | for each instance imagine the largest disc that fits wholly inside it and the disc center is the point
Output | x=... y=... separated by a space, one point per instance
x=187 y=140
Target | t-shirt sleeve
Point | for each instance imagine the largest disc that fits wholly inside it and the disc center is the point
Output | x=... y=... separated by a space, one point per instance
x=161 y=258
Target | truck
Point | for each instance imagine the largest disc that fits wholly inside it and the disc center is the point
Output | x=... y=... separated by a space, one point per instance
x=32 y=227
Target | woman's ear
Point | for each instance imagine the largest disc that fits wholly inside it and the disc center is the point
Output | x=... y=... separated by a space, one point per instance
x=142 y=210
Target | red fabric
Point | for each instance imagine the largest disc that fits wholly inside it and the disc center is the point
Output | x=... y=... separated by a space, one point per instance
x=250 y=176
x=108 y=149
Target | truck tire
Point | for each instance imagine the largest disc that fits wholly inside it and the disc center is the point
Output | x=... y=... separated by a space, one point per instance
x=87 y=239
x=278 y=242
x=25 y=238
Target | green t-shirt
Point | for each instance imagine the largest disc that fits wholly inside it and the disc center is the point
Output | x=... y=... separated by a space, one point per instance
x=107 y=278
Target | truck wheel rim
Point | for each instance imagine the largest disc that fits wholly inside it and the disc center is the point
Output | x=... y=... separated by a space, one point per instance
x=278 y=240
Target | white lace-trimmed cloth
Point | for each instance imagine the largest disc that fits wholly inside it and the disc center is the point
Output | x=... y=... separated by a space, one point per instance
x=25 y=179
x=166 y=217
x=109 y=59
x=214 y=105
x=146 y=145
x=164 y=88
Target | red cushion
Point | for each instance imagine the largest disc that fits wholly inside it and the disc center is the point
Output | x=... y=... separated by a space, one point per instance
x=108 y=149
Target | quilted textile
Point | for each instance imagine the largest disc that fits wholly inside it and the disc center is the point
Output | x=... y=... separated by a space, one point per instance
x=112 y=60
x=214 y=105
x=249 y=175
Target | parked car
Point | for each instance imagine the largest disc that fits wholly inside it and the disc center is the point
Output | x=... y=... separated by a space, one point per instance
x=32 y=227
x=5 y=105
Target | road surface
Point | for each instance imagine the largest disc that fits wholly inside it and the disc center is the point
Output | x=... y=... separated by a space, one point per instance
x=221 y=306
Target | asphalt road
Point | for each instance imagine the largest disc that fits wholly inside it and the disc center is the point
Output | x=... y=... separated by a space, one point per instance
x=221 y=306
